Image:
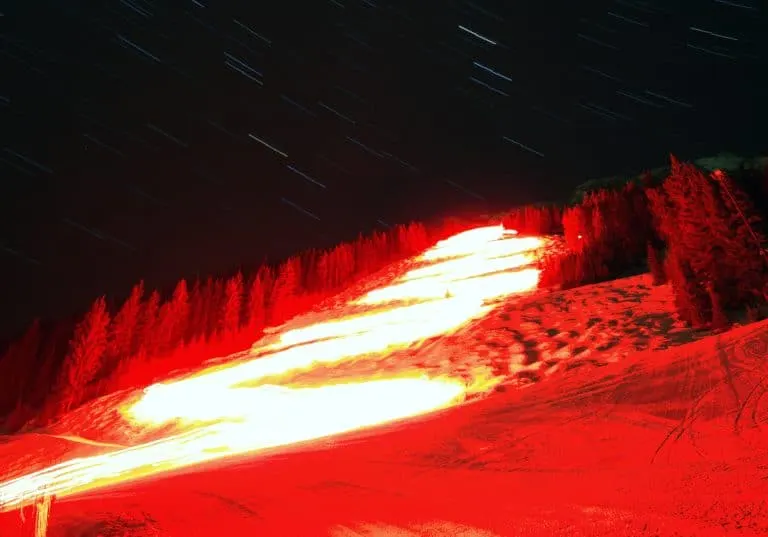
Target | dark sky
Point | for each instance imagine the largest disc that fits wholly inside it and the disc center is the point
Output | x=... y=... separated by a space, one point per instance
x=158 y=140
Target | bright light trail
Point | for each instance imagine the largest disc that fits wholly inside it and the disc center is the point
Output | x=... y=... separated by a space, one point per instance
x=237 y=409
x=269 y=416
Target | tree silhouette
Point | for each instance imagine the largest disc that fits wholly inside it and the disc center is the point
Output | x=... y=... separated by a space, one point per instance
x=747 y=263
x=231 y=316
x=83 y=362
x=365 y=257
x=534 y=219
x=575 y=227
x=282 y=301
x=206 y=305
x=256 y=314
x=655 y=266
x=123 y=333
x=215 y=307
x=691 y=300
x=147 y=330
x=322 y=272
x=180 y=307
x=417 y=237
x=342 y=265
x=173 y=320
x=707 y=221
x=165 y=326
x=309 y=261
x=196 y=324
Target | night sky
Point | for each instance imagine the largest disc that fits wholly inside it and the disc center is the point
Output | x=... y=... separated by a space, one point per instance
x=159 y=140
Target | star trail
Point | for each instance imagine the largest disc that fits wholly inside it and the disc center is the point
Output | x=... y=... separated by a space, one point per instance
x=155 y=140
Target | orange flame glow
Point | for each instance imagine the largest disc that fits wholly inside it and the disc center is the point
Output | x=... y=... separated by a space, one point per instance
x=233 y=410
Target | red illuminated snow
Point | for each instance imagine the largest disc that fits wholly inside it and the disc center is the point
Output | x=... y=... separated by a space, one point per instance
x=629 y=424
x=243 y=407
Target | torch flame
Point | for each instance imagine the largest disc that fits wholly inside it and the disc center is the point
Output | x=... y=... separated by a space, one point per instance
x=233 y=410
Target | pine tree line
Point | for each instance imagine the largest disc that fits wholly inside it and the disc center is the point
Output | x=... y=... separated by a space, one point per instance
x=46 y=372
x=535 y=219
x=714 y=244
x=699 y=232
x=606 y=234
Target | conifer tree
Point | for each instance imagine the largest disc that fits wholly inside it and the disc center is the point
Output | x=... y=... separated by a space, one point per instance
x=655 y=266
x=743 y=243
x=233 y=305
x=284 y=292
x=124 y=328
x=173 y=319
x=196 y=325
x=83 y=361
x=256 y=309
x=148 y=326
x=690 y=298
x=180 y=306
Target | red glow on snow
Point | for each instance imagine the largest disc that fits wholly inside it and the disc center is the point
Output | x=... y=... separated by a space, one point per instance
x=239 y=409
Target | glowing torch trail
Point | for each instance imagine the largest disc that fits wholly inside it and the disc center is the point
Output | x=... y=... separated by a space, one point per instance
x=283 y=416
x=238 y=409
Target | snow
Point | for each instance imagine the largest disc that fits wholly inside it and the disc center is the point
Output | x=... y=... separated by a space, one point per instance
x=629 y=424
x=533 y=335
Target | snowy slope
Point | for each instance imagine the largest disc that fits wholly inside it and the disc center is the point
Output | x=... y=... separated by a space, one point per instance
x=629 y=424
x=662 y=443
